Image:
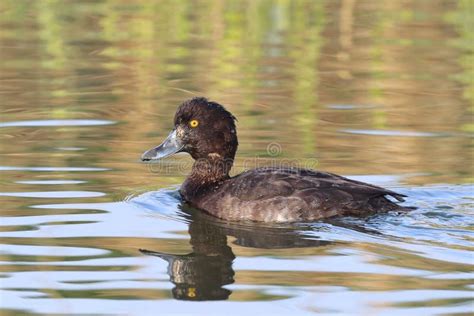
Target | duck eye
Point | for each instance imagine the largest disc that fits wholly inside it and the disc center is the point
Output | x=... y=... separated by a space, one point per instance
x=194 y=123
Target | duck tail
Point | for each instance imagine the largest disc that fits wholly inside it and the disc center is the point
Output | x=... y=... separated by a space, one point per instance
x=382 y=204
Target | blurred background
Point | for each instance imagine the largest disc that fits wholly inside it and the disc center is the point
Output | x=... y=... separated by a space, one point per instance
x=382 y=91
x=364 y=86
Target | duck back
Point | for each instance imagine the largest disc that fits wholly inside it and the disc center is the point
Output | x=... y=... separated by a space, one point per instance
x=290 y=195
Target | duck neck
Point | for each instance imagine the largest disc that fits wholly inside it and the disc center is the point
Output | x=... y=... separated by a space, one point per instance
x=206 y=172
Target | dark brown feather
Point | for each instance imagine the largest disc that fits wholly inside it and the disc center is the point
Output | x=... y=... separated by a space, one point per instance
x=283 y=195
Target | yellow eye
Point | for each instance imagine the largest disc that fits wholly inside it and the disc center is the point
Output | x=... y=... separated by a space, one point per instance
x=194 y=123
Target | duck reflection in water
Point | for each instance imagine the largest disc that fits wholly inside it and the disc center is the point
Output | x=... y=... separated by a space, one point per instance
x=202 y=274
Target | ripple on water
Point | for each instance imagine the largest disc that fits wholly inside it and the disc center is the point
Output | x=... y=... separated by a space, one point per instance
x=58 y=123
x=51 y=182
x=168 y=207
x=31 y=250
x=362 y=260
x=54 y=194
x=390 y=133
x=51 y=169
x=150 y=215
x=71 y=148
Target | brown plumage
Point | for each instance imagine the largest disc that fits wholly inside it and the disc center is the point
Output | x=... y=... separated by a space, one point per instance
x=264 y=194
x=289 y=195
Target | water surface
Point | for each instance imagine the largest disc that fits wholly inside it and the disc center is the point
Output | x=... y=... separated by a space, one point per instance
x=379 y=91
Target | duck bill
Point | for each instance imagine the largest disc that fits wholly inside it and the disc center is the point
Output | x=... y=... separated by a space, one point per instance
x=170 y=146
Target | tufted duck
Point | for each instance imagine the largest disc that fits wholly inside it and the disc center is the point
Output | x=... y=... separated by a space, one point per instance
x=206 y=130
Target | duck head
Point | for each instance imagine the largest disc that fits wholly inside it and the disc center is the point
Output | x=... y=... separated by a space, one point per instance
x=204 y=129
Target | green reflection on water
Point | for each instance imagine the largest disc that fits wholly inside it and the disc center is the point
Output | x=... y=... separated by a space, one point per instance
x=280 y=66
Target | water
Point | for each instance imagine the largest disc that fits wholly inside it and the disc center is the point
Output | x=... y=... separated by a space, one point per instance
x=380 y=91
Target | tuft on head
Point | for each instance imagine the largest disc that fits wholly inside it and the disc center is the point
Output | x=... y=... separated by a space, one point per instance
x=200 y=106
x=214 y=136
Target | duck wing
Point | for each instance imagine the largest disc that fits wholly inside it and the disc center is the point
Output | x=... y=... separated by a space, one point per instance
x=269 y=182
x=281 y=195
